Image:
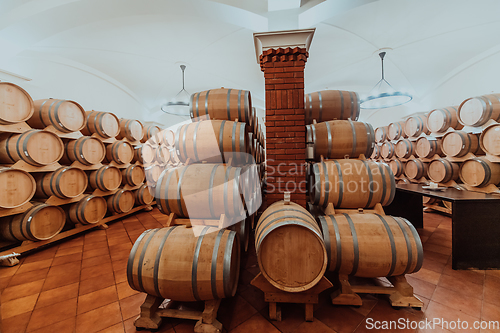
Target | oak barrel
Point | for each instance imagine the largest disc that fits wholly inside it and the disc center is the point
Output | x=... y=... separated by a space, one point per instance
x=200 y=191
x=439 y=120
x=35 y=147
x=185 y=264
x=443 y=171
x=17 y=187
x=416 y=125
x=460 y=143
x=121 y=202
x=490 y=140
x=144 y=195
x=405 y=148
x=341 y=138
x=388 y=150
x=162 y=154
x=87 y=150
x=144 y=153
x=64 y=183
x=120 y=152
x=290 y=248
x=133 y=175
x=329 y=105
x=151 y=132
x=351 y=183
x=106 y=178
x=89 y=210
x=221 y=104
x=480 y=172
x=416 y=169
x=65 y=116
x=371 y=245
x=395 y=131
x=168 y=137
x=214 y=141
x=104 y=124
x=16 y=105
x=476 y=111
x=428 y=147
x=381 y=134
x=153 y=173
x=40 y=222
x=130 y=129
x=376 y=152
x=397 y=167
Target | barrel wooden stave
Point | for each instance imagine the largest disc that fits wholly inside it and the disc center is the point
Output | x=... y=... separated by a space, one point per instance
x=329 y=105
x=64 y=115
x=145 y=153
x=89 y=210
x=120 y=152
x=130 y=129
x=64 y=183
x=415 y=126
x=405 y=148
x=388 y=150
x=17 y=187
x=416 y=169
x=376 y=152
x=133 y=175
x=106 y=178
x=490 y=140
x=16 y=105
x=460 y=143
x=151 y=132
x=86 y=150
x=440 y=120
x=443 y=170
x=121 y=202
x=381 y=134
x=221 y=104
x=397 y=167
x=427 y=148
x=144 y=195
x=395 y=131
x=103 y=124
x=480 y=172
x=476 y=111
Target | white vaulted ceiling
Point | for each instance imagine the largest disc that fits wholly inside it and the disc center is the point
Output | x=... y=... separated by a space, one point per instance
x=124 y=55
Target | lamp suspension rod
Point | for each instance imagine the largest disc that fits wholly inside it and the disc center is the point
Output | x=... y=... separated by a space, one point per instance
x=183 y=67
x=382 y=55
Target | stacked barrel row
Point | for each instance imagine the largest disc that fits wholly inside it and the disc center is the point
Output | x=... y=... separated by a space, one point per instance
x=62 y=166
x=458 y=144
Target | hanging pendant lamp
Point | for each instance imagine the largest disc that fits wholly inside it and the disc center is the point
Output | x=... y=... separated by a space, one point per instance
x=179 y=105
x=383 y=95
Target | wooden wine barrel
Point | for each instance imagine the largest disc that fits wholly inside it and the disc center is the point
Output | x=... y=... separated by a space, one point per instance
x=329 y=105
x=388 y=150
x=144 y=153
x=213 y=141
x=341 y=138
x=443 y=171
x=242 y=228
x=130 y=129
x=376 y=152
x=439 y=120
x=490 y=140
x=17 y=187
x=144 y=195
x=65 y=116
x=351 y=183
x=405 y=148
x=397 y=167
x=87 y=150
x=476 y=111
x=120 y=152
x=106 y=178
x=416 y=125
x=416 y=169
x=104 y=124
x=200 y=191
x=89 y=210
x=34 y=147
x=251 y=119
x=353 y=248
x=221 y=104
x=133 y=175
x=395 y=131
x=428 y=147
x=64 y=183
x=153 y=173
x=479 y=172
x=162 y=154
x=429 y=200
x=121 y=202
x=459 y=143
x=16 y=105
x=279 y=231
x=151 y=132
x=185 y=264
x=174 y=158
x=381 y=134
x=40 y=222
x=167 y=137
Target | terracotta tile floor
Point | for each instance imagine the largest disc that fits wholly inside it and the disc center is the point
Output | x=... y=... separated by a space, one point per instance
x=80 y=286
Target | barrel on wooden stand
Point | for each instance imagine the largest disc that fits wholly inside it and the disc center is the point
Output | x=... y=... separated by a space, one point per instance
x=405 y=148
x=104 y=124
x=415 y=126
x=87 y=150
x=64 y=183
x=381 y=134
x=460 y=143
x=221 y=104
x=167 y=137
x=397 y=167
x=416 y=169
x=388 y=150
x=144 y=195
x=16 y=105
x=428 y=147
x=153 y=173
x=479 y=172
x=440 y=120
x=65 y=116
x=130 y=129
x=144 y=153
x=133 y=175
x=490 y=140
x=476 y=111
x=17 y=187
x=120 y=152
x=376 y=152
x=89 y=210
x=151 y=132
x=443 y=170
x=162 y=155
x=395 y=131
x=106 y=178
x=121 y=202
x=329 y=105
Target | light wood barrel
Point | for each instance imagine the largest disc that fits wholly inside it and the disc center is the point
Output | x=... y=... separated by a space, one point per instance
x=64 y=183
x=40 y=222
x=106 y=178
x=221 y=104
x=174 y=158
x=16 y=105
x=459 y=143
x=133 y=175
x=480 y=172
x=17 y=187
x=65 y=116
x=283 y=262
x=185 y=264
x=200 y=191
x=429 y=200
x=443 y=171
x=427 y=148
x=329 y=105
x=130 y=129
x=35 y=147
x=476 y=111
x=381 y=134
x=490 y=140
x=213 y=141
x=168 y=137
x=376 y=152
x=416 y=169
x=341 y=138
x=388 y=150
x=439 y=120
x=353 y=248
x=150 y=132
x=87 y=150
x=416 y=125
x=351 y=184
x=405 y=148
x=144 y=153
x=144 y=195
x=104 y=124
x=120 y=152
x=395 y=131
x=162 y=154
x=397 y=167
x=121 y=202
x=90 y=210
x=153 y=173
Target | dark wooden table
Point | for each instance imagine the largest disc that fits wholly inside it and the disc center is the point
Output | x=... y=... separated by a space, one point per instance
x=475 y=222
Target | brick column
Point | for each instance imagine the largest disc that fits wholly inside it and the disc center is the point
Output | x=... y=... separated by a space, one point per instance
x=285 y=123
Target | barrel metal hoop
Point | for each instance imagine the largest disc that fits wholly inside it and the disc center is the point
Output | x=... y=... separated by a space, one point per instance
x=384 y=186
x=233 y=139
x=58 y=180
x=262 y=233
x=210 y=192
x=327 y=124
x=370 y=183
x=159 y=198
x=393 y=244
x=194 y=140
x=353 y=115
x=310 y=116
x=260 y=222
x=313 y=128
x=342 y=106
x=370 y=134
x=354 y=139
x=157 y=260
x=179 y=191
x=418 y=243
x=141 y=258
x=50 y=112
x=236 y=190
x=326 y=237
x=225 y=195
x=320 y=107
x=197 y=106
x=221 y=140
x=327 y=184
x=206 y=105
x=246 y=106
x=341 y=183
x=243 y=151
x=25 y=147
x=131 y=257
x=79 y=154
x=80 y=209
x=213 y=271
x=56 y=116
x=338 y=240
x=226 y=268
x=487 y=171
x=239 y=106
x=355 y=244
x=177 y=140
x=8 y=150
x=408 y=244
x=228 y=108
x=194 y=269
